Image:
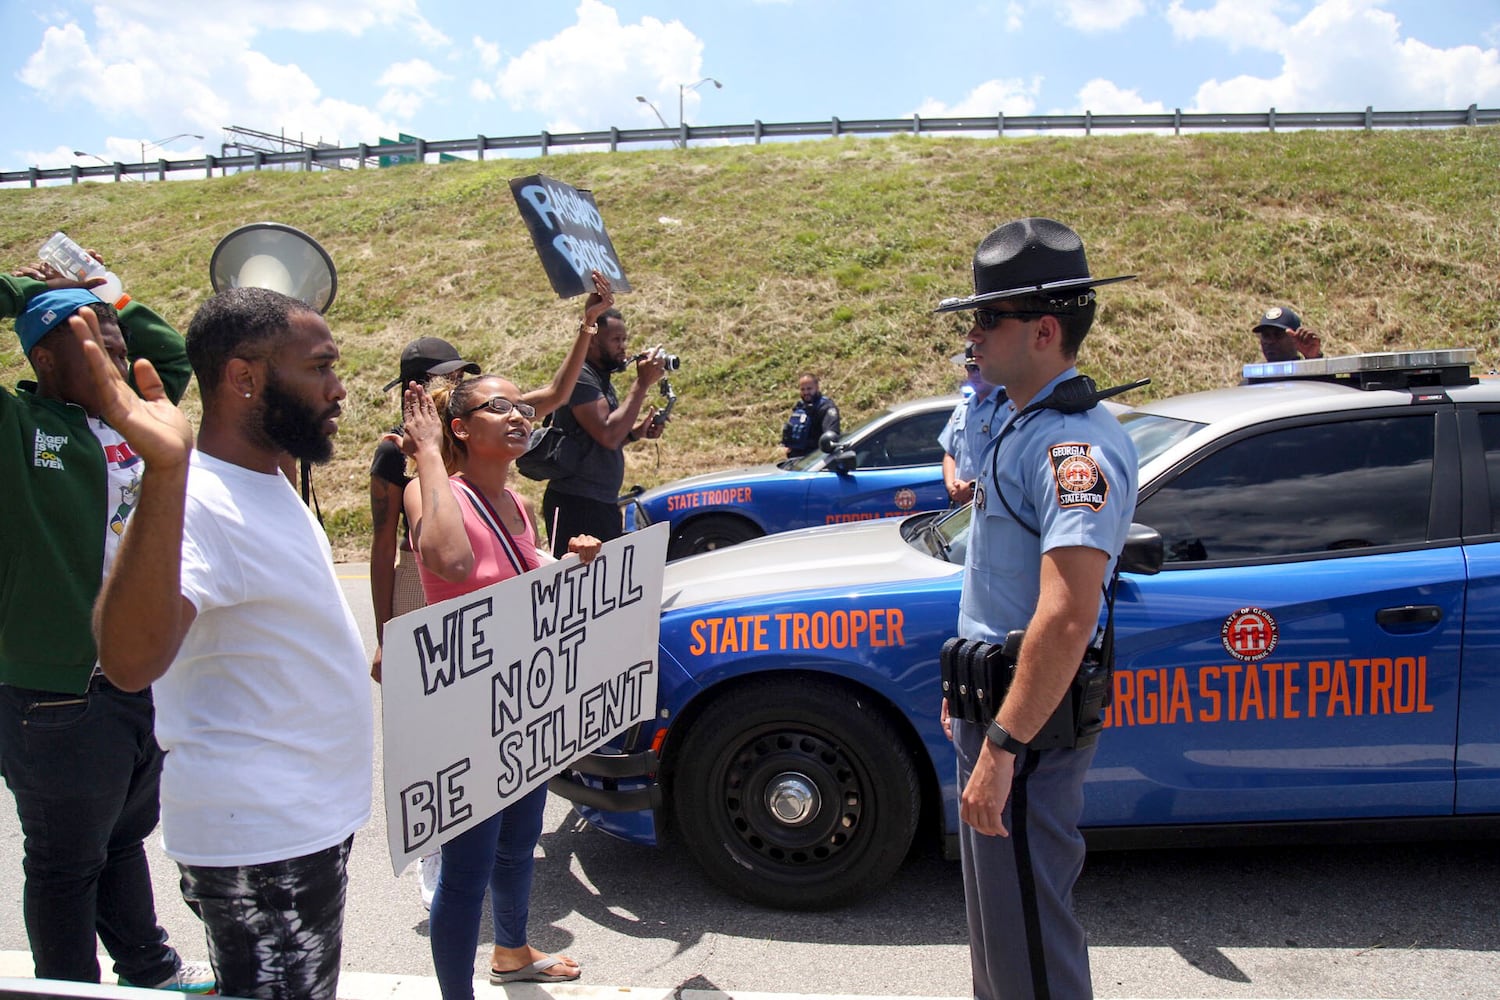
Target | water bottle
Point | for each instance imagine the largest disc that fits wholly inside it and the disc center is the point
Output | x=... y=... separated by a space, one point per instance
x=74 y=262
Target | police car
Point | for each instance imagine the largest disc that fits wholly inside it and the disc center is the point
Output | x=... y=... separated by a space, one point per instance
x=890 y=467
x=1308 y=645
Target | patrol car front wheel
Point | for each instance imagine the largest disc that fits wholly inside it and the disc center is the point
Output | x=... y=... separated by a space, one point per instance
x=705 y=534
x=796 y=795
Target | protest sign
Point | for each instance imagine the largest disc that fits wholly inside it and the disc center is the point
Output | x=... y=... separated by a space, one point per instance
x=569 y=235
x=486 y=696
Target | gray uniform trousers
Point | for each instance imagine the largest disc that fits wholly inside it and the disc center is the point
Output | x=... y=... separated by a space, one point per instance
x=1025 y=943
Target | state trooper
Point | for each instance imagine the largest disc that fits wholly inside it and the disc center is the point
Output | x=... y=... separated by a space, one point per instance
x=1053 y=504
x=974 y=423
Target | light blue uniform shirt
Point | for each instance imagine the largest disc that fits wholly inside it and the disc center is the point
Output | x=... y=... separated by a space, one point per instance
x=974 y=424
x=1073 y=478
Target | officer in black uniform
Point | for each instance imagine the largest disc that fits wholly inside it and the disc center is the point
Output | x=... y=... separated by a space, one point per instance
x=813 y=415
x=1052 y=506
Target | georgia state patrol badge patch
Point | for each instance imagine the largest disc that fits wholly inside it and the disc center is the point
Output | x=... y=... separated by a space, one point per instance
x=1080 y=481
x=1250 y=634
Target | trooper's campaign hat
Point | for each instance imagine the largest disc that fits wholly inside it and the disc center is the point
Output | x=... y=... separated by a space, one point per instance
x=1028 y=257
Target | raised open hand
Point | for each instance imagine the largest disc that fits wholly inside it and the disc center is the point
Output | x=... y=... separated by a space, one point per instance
x=152 y=424
x=600 y=299
x=422 y=425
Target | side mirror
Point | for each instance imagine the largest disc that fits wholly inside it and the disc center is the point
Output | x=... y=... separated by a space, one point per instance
x=829 y=442
x=1143 y=550
x=842 y=461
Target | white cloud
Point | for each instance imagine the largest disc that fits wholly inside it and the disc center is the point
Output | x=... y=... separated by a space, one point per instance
x=1011 y=97
x=1100 y=15
x=409 y=85
x=489 y=52
x=591 y=70
x=246 y=17
x=480 y=90
x=174 y=66
x=1104 y=98
x=1351 y=53
x=1255 y=24
x=1013 y=20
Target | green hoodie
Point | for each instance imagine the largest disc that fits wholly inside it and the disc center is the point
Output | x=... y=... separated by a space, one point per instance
x=54 y=509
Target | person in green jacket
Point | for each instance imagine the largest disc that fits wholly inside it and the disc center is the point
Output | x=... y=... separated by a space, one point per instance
x=79 y=755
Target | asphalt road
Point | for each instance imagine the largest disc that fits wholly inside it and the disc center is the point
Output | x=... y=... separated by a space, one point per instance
x=1336 y=922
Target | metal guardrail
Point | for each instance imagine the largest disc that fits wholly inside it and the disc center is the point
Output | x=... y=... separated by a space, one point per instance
x=345 y=157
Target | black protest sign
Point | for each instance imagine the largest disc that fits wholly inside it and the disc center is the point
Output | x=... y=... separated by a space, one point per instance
x=569 y=235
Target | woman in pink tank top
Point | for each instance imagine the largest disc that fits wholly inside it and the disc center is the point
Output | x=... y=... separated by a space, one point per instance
x=470 y=529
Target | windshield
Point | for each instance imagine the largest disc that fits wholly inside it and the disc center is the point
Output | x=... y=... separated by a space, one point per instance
x=805 y=462
x=1153 y=434
x=942 y=534
x=946 y=535
x=885 y=441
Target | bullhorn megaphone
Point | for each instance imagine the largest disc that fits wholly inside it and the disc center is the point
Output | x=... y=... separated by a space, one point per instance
x=271 y=255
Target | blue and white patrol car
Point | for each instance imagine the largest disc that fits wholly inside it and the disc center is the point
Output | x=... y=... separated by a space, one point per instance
x=891 y=466
x=1307 y=628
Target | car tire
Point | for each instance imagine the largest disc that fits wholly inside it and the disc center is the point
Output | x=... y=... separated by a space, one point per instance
x=708 y=533
x=833 y=764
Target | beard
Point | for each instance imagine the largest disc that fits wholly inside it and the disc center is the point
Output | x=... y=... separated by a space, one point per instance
x=292 y=425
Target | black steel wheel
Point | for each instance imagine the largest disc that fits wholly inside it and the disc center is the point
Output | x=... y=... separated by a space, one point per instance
x=796 y=795
x=704 y=534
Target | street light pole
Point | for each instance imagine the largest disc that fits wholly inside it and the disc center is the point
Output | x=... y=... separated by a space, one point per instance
x=659 y=118
x=683 y=88
x=163 y=142
x=96 y=156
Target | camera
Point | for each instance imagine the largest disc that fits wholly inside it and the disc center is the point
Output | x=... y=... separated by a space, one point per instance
x=670 y=362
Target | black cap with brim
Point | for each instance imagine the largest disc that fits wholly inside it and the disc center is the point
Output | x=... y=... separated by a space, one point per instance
x=442 y=368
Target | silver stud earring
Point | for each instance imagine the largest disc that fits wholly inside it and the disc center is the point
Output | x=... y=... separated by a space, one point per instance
x=247 y=395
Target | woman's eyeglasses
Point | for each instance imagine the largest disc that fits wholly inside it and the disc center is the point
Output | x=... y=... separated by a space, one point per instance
x=501 y=406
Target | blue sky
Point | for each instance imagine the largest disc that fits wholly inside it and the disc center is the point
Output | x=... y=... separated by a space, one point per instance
x=107 y=77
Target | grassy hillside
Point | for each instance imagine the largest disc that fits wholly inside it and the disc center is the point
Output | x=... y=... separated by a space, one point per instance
x=755 y=263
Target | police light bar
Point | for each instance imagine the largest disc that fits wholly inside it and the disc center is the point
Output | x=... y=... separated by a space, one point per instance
x=1363 y=368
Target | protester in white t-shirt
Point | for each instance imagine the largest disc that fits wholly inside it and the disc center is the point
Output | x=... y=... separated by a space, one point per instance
x=223 y=594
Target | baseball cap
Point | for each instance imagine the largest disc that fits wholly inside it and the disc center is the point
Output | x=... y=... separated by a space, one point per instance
x=1279 y=317
x=46 y=311
x=428 y=356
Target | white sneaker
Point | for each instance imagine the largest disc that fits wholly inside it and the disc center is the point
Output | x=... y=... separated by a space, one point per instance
x=428 y=867
x=190 y=977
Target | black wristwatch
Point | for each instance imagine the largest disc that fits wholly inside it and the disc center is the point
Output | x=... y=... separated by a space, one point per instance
x=1005 y=741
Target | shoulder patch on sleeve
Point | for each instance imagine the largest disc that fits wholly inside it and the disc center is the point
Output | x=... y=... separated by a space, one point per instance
x=1079 y=480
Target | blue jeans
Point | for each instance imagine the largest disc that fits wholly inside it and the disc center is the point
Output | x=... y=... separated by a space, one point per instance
x=275 y=930
x=85 y=770
x=498 y=853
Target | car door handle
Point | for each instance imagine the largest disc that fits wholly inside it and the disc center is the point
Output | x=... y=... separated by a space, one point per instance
x=1410 y=614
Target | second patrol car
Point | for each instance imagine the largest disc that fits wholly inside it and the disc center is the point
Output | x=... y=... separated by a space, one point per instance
x=890 y=467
